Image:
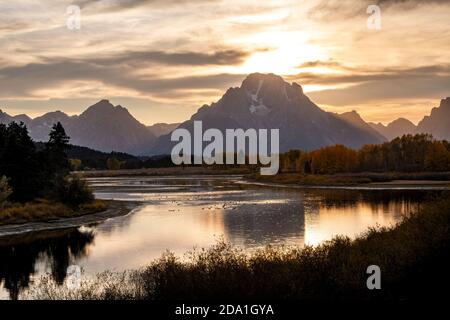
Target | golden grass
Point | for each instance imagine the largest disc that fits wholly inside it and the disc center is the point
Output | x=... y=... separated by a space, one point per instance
x=310 y=180
x=45 y=210
x=348 y=178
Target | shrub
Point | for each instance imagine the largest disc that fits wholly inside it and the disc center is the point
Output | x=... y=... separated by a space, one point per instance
x=75 y=164
x=5 y=190
x=73 y=191
x=41 y=210
x=45 y=210
x=95 y=206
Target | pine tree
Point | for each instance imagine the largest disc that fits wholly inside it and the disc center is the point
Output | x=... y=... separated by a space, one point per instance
x=56 y=148
x=19 y=162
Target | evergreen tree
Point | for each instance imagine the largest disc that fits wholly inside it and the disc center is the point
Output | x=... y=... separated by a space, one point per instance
x=56 y=149
x=19 y=163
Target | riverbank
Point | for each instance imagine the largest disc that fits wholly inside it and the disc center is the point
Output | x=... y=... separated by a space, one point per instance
x=46 y=210
x=413 y=257
x=170 y=171
x=109 y=209
x=438 y=178
x=350 y=179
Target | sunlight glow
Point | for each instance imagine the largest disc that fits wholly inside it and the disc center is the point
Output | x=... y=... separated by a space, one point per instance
x=286 y=51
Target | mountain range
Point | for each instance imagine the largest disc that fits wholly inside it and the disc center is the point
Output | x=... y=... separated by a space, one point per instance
x=102 y=127
x=436 y=124
x=394 y=129
x=266 y=101
x=262 y=101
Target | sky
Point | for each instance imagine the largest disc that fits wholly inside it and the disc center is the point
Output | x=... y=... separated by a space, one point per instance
x=163 y=59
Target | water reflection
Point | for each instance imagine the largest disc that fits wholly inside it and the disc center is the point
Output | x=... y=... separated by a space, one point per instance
x=21 y=255
x=181 y=213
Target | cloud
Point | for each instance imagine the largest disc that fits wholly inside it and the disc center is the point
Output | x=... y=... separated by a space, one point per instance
x=24 y=81
x=364 y=84
x=345 y=9
x=119 y=5
x=384 y=90
x=364 y=74
x=225 y=57
x=318 y=63
x=329 y=64
x=416 y=2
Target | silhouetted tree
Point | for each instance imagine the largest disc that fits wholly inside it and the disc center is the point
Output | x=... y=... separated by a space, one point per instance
x=19 y=162
x=56 y=149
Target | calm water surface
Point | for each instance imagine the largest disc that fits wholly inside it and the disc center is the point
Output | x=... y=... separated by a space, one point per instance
x=180 y=213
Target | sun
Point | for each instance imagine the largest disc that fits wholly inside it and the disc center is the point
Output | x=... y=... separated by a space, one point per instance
x=285 y=52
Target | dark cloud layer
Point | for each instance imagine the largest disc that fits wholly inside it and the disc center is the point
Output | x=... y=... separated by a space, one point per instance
x=226 y=57
x=119 y=71
x=388 y=89
x=118 y=5
x=24 y=80
x=365 y=74
x=365 y=84
x=345 y=9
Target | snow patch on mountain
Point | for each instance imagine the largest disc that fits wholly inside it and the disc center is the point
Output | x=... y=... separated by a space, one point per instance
x=255 y=96
x=285 y=94
x=260 y=109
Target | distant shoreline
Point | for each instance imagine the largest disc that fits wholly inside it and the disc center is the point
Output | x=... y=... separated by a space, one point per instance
x=343 y=180
x=352 y=180
x=115 y=209
x=397 y=185
x=294 y=178
x=169 y=171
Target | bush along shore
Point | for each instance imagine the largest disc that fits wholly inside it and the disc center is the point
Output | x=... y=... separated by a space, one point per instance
x=43 y=210
x=36 y=185
x=413 y=257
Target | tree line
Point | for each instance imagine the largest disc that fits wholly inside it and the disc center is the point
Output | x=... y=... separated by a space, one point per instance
x=28 y=172
x=409 y=153
x=83 y=158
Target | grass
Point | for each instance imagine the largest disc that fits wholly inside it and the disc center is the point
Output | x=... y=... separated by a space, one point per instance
x=44 y=210
x=413 y=256
x=347 y=178
x=169 y=171
x=310 y=180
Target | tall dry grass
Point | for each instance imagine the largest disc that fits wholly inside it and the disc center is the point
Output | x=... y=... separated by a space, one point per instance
x=45 y=210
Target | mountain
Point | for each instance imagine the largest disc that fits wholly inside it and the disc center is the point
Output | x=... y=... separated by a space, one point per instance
x=395 y=129
x=353 y=118
x=40 y=127
x=438 y=122
x=5 y=118
x=102 y=127
x=266 y=101
x=160 y=129
x=108 y=128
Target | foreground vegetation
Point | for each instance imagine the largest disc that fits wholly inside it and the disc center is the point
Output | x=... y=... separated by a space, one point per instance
x=413 y=256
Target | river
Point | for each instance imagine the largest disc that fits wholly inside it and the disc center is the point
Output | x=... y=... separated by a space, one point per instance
x=186 y=212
